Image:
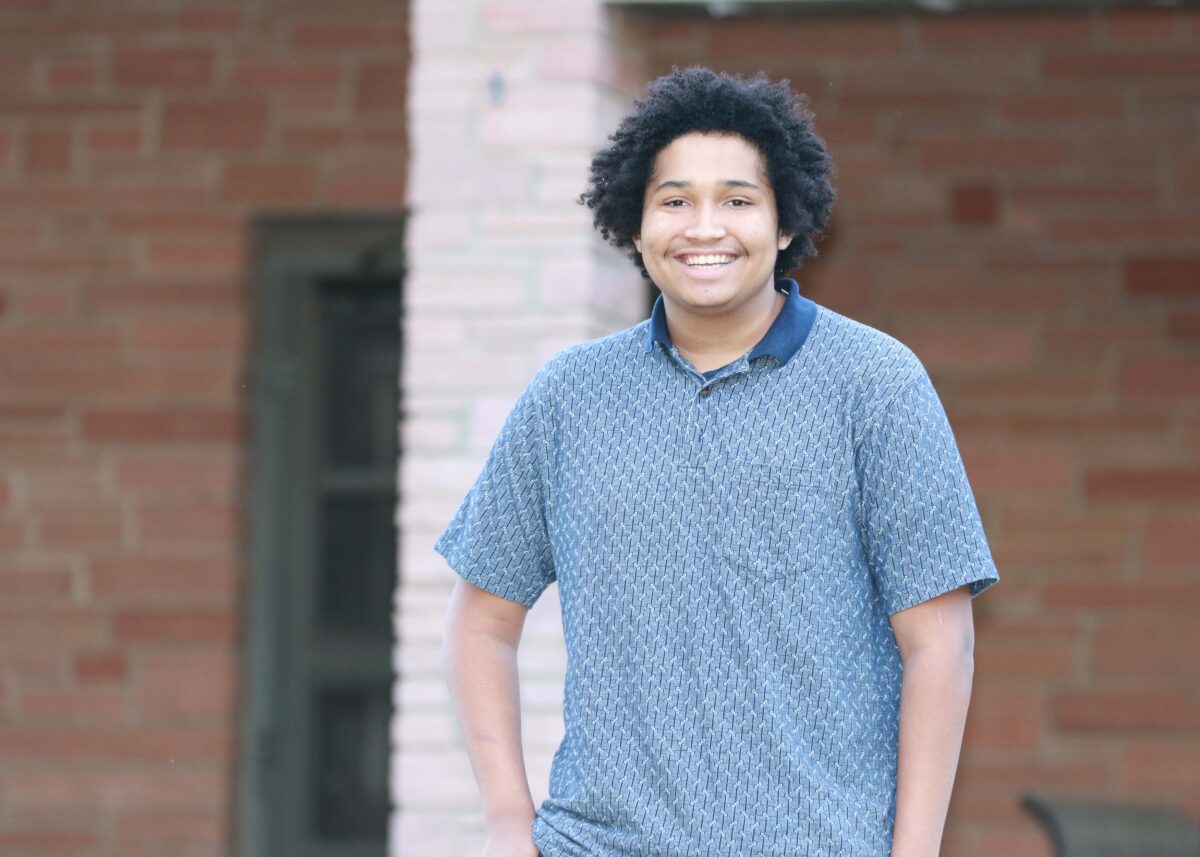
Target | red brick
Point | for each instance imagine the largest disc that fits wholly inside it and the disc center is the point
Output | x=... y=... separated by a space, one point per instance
x=1158 y=63
x=1004 y=717
x=48 y=843
x=85 y=527
x=179 y=474
x=166 y=579
x=1170 y=541
x=1184 y=326
x=12 y=534
x=1068 y=546
x=175 y=626
x=347 y=35
x=74 y=199
x=89 y=706
x=1081 y=341
x=121 y=139
x=67 y=787
x=119 y=745
x=1008 y=772
x=274 y=75
x=991 y=154
x=35 y=664
x=70 y=74
x=1126 y=711
x=45 y=342
x=967 y=347
x=1158 y=649
x=1110 y=595
x=271 y=184
x=225 y=226
x=32 y=587
x=167 y=67
x=48 y=152
x=1001 y=30
x=386 y=191
x=1149 y=485
x=1173 y=378
x=1003 y=841
x=229 y=124
x=178 y=828
x=59 y=627
x=100 y=666
x=207 y=521
x=840 y=38
x=1173 y=764
x=1155 y=26
x=196 y=257
x=1025 y=662
x=989 y=297
x=225 y=333
x=1052 y=107
x=973 y=204
x=382 y=86
x=188 y=687
x=171 y=425
x=209 y=20
x=1081 y=196
x=115 y=387
x=1047 y=474
x=1147 y=276
x=314 y=136
x=1124 y=232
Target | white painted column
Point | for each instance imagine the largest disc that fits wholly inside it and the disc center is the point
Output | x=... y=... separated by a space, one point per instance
x=508 y=101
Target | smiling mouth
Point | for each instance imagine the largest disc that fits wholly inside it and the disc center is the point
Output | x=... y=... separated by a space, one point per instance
x=707 y=261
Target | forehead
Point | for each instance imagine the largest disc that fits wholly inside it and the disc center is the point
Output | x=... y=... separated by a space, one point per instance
x=716 y=156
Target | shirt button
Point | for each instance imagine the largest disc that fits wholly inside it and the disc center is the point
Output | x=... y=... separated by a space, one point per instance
x=704 y=391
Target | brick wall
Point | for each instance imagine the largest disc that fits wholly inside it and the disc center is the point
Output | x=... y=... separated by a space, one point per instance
x=1019 y=203
x=136 y=140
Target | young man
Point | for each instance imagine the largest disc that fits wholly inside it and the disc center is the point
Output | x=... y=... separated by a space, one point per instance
x=756 y=512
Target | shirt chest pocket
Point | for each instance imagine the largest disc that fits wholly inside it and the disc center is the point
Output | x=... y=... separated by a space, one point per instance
x=778 y=522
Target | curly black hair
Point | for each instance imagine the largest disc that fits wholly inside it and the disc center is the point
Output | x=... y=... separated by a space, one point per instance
x=768 y=115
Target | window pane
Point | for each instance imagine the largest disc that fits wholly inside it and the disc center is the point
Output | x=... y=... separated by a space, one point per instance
x=351 y=789
x=358 y=561
x=361 y=374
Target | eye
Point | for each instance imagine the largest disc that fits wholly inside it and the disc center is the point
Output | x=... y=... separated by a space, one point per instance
x=675 y=203
x=739 y=203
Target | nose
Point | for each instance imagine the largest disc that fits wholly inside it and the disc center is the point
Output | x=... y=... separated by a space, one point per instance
x=705 y=224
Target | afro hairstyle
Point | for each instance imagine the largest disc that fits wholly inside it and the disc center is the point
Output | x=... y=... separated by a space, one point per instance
x=776 y=121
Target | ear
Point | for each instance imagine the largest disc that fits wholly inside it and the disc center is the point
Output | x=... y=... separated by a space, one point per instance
x=637 y=243
x=785 y=240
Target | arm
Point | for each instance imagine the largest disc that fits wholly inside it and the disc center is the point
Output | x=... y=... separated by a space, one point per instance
x=479 y=655
x=936 y=640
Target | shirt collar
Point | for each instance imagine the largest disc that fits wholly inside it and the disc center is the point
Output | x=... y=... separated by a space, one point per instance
x=782 y=339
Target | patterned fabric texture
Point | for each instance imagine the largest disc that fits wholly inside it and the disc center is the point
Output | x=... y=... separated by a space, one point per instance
x=727 y=554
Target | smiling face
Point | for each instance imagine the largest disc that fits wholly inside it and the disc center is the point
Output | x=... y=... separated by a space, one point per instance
x=710 y=232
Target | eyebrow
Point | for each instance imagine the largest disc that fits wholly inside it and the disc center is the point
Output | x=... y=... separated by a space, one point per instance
x=726 y=183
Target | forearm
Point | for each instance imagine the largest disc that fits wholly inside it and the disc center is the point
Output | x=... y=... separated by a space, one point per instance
x=934 y=695
x=481 y=674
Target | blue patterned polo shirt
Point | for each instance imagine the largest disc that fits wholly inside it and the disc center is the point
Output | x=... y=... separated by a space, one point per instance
x=728 y=551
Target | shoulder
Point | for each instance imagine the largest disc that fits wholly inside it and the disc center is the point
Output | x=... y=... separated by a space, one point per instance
x=613 y=352
x=869 y=364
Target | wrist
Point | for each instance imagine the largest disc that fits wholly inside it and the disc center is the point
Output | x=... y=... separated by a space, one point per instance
x=511 y=819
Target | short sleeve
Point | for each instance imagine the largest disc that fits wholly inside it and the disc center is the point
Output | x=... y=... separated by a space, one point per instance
x=921 y=528
x=498 y=538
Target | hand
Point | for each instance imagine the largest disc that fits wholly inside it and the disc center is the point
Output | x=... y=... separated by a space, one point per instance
x=510 y=841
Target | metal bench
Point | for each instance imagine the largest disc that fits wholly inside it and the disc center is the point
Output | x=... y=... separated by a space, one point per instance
x=1088 y=828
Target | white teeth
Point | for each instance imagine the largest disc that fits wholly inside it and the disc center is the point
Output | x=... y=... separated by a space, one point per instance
x=707 y=260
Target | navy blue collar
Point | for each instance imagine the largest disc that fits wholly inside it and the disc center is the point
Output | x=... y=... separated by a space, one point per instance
x=782 y=339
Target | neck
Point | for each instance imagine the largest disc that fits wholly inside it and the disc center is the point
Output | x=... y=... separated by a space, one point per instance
x=711 y=341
